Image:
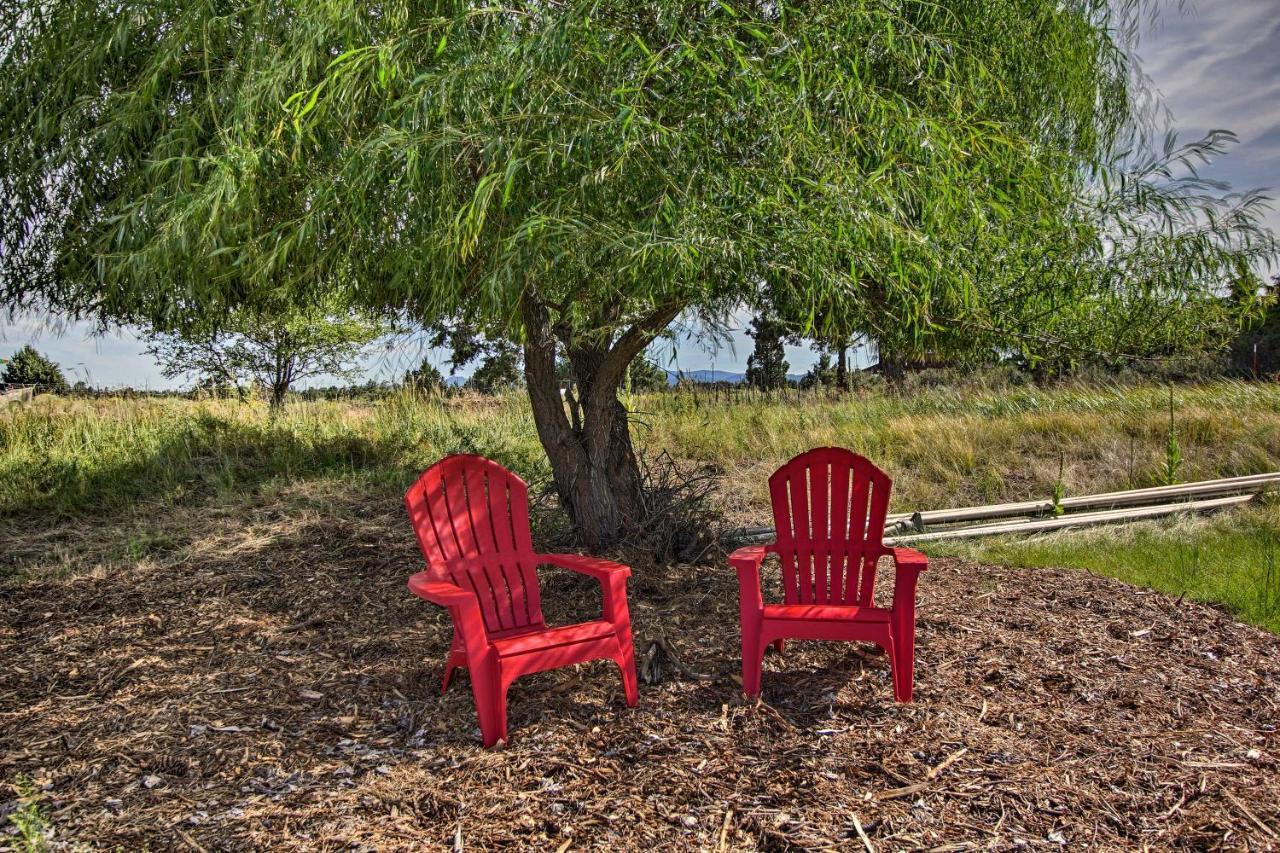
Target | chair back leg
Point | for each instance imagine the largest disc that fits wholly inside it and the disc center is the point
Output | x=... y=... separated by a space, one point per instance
x=455 y=660
x=626 y=661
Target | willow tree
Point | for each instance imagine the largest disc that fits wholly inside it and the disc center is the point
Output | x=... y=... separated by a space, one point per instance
x=570 y=176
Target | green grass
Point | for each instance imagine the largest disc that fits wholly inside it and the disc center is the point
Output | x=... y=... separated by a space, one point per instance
x=1231 y=560
x=944 y=446
x=69 y=456
x=128 y=460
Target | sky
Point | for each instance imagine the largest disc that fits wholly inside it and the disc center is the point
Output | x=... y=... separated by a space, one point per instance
x=1217 y=65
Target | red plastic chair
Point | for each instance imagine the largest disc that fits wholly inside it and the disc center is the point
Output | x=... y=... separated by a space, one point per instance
x=471 y=516
x=829 y=507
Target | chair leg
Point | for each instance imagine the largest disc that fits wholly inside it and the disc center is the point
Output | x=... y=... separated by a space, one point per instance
x=779 y=644
x=490 y=699
x=902 y=661
x=626 y=661
x=451 y=664
x=753 y=647
x=499 y=717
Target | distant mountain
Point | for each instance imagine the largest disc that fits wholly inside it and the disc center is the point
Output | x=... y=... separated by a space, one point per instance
x=455 y=381
x=705 y=376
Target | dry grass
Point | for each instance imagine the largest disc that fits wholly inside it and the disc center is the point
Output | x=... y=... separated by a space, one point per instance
x=943 y=447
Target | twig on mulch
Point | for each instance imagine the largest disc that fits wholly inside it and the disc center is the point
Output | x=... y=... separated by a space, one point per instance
x=657 y=656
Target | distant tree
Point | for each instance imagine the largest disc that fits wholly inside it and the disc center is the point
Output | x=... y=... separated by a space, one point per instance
x=499 y=371
x=1256 y=350
x=767 y=364
x=646 y=375
x=424 y=377
x=822 y=374
x=274 y=350
x=28 y=367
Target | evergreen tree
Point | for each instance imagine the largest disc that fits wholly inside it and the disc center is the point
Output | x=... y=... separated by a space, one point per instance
x=28 y=367
x=425 y=377
x=822 y=374
x=498 y=372
x=767 y=364
x=646 y=375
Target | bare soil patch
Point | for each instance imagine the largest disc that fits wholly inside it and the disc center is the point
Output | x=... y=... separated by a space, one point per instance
x=270 y=682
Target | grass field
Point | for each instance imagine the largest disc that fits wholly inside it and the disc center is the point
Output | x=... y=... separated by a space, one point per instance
x=943 y=446
x=67 y=458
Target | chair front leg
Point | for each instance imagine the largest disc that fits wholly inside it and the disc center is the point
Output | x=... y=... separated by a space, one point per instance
x=614 y=588
x=491 y=699
x=750 y=614
x=902 y=619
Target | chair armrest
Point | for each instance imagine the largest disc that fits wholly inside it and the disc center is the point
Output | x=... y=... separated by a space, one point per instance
x=908 y=564
x=440 y=592
x=748 y=558
x=910 y=558
x=612 y=576
x=463 y=607
x=593 y=566
x=747 y=562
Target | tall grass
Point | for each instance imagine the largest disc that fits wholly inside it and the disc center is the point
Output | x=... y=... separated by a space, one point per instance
x=948 y=447
x=943 y=446
x=67 y=456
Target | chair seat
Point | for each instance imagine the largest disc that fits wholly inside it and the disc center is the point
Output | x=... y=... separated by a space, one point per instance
x=540 y=638
x=826 y=613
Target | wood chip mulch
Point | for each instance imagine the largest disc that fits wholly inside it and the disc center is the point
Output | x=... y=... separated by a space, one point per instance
x=277 y=687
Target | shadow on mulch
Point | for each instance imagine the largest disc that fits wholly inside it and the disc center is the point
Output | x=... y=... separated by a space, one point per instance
x=273 y=684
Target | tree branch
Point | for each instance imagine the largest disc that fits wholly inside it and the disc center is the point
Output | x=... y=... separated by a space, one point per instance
x=627 y=347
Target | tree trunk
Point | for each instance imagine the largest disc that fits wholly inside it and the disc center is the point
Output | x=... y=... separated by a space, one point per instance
x=281 y=381
x=593 y=461
x=842 y=368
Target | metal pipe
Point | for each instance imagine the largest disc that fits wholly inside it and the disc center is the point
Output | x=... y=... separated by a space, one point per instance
x=1077 y=520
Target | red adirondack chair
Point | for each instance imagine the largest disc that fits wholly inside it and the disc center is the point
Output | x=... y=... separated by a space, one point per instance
x=829 y=506
x=471 y=516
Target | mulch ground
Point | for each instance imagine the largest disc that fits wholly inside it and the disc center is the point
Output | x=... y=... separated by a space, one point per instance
x=271 y=683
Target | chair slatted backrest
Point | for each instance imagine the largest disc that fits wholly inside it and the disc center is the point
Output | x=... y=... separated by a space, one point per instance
x=829 y=507
x=471 y=517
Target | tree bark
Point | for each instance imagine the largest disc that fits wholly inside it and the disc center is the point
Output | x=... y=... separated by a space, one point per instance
x=593 y=461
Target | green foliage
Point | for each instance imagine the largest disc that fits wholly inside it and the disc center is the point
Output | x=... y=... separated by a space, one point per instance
x=767 y=364
x=1228 y=560
x=1060 y=485
x=901 y=169
x=67 y=456
x=425 y=377
x=646 y=375
x=274 y=350
x=1255 y=352
x=1172 y=450
x=498 y=372
x=28 y=818
x=28 y=367
x=822 y=374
